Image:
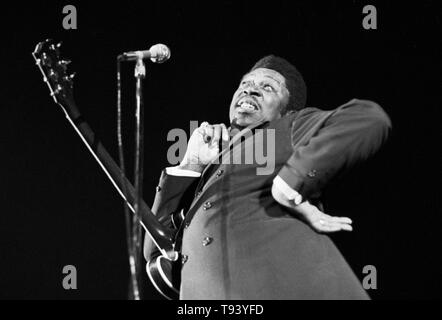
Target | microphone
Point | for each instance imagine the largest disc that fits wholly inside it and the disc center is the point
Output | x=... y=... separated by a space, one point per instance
x=158 y=53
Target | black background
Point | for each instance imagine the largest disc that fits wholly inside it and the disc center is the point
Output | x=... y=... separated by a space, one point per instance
x=60 y=209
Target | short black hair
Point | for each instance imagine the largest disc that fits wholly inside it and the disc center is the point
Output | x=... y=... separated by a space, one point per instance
x=293 y=79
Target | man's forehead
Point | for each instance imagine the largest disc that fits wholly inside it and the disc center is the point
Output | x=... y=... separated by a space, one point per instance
x=266 y=73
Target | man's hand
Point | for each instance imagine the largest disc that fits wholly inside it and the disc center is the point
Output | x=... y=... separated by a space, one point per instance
x=319 y=221
x=203 y=146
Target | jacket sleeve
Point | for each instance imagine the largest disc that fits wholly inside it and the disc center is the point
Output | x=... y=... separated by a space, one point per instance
x=174 y=193
x=345 y=136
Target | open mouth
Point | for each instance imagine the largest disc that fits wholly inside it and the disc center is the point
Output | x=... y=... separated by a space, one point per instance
x=247 y=105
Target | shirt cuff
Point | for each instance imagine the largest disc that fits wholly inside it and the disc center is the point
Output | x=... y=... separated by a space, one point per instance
x=175 y=171
x=290 y=193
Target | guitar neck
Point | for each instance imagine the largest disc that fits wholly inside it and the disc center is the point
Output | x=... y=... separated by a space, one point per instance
x=160 y=235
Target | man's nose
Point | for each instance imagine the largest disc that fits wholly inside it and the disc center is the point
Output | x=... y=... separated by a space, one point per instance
x=252 y=90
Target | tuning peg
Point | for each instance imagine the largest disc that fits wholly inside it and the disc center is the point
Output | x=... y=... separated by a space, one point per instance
x=55 y=47
x=45 y=60
x=64 y=62
x=70 y=77
x=53 y=75
x=57 y=90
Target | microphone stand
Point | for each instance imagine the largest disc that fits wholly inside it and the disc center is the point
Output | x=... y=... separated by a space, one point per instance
x=140 y=74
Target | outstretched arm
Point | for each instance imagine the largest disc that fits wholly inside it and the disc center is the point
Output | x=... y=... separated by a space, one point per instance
x=340 y=139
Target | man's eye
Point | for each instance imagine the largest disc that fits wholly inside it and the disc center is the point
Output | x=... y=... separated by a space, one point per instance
x=268 y=87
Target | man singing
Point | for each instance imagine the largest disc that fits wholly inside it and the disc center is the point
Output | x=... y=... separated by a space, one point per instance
x=251 y=235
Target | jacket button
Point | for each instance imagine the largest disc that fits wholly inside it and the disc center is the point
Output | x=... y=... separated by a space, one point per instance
x=219 y=172
x=186 y=225
x=207 y=241
x=207 y=205
x=158 y=188
x=312 y=173
x=184 y=259
x=199 y=194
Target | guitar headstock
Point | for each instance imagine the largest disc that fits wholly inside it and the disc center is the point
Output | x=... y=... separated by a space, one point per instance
x=54 y=70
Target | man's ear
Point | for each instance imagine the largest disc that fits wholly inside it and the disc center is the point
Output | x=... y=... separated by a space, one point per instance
x=283 y=109
x=285 y=104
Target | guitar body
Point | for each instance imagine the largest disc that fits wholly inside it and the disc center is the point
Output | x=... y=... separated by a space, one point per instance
x=165 y=275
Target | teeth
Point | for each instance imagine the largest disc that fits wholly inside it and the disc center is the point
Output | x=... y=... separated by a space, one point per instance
x=247 y=105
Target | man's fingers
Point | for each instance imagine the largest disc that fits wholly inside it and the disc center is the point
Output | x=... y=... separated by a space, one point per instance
x=208 y=133
x=201 y=131
x=330 y=218
x=323 y=226
x=213 y=133
x=334 y=228
x=342 y=220
x=326 y=225
x=346 y=227
x=322 y=222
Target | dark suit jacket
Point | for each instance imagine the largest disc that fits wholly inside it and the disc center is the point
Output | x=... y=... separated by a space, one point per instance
x=239 y=242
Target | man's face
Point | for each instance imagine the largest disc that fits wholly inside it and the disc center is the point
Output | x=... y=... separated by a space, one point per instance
x=261 y=95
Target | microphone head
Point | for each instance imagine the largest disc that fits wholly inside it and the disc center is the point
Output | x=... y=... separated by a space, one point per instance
x=159 y=53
